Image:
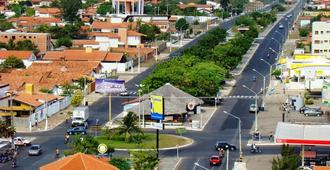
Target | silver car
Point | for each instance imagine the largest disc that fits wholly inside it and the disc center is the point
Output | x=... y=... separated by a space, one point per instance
x=313 y=112
x=35 y=150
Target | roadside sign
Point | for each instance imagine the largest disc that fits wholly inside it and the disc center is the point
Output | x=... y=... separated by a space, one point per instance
x=159 y=126
x=155 y=116
x=157 y=107
x=102 y=148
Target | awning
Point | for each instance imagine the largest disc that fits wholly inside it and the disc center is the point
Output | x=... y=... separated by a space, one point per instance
x=287 y=133
x=7 y=114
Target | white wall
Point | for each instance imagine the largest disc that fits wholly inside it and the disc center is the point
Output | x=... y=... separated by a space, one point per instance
x=121 y=67
x=321 y=38
x=304 y=23
x=133 y=40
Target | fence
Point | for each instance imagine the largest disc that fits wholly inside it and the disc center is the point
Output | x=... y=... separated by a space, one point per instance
x=41 y=112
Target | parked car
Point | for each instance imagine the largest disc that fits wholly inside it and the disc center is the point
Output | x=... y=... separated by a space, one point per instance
x=253 y=108
x=313 y=112
x=21 y=141
x=124 y=93
x=281 y=26
x=224 y=145
x=35 y=150
x=302 y=109
x=215 y=160
x=76 y=130
x=254 y=78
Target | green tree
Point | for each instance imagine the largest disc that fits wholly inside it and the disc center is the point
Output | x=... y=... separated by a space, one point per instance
x=120 y=163
x=181 y=24
x=70 y=9
x=17 y=8
x=55 y=4
x=149 y=30
x=89 y=3
x=77 y=98
x=46 y=90
x=84 y=144
x=25 y=45
x=6 y=130
x=288 y=160
x=64 y=41
x=278 y=7
x=13 y=62
x=42 y=29
x=83 y=81
x=4 y=25
x=144 y=160
x=104 y=8
x=129 y=127
x=304 y=31
x=30 y=12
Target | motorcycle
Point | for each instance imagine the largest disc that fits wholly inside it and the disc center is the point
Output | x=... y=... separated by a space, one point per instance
x=13 y=164
x=255 y=150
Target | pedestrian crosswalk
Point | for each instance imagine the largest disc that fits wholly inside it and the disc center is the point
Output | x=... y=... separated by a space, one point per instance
x=238 y=97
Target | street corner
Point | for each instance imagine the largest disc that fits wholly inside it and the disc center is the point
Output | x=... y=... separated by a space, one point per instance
x=188 y=140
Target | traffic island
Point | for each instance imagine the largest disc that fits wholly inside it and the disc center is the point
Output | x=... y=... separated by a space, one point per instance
x=147 y=141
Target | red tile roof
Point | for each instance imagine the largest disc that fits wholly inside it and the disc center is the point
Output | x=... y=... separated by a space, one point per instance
x=104 y=34
x=183 y=6
x=52 y=11
x=24 y=55
x=79 y=161
x=109 y=25
x=48 y=74
x=36 y=99
x=82 y=55
x=134 y=33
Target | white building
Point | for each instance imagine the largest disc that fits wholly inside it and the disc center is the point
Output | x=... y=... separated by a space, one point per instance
x=321 y=38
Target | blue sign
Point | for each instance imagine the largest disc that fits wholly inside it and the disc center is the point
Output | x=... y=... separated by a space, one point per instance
x=156 y=116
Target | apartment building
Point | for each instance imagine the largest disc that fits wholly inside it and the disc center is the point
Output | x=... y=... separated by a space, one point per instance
x=41 y=40
x=115 y=34
x=321 y=38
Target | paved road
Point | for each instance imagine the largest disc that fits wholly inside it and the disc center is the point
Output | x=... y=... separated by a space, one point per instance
x=222 y=127
x=99 y=110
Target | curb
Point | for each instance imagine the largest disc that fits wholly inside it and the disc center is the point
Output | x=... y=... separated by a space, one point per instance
x=39 y=131
x=162 y=149
x=177 y=164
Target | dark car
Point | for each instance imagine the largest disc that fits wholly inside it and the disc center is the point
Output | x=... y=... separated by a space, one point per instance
x=224 y=145
x=215 y=160
x=76 y=130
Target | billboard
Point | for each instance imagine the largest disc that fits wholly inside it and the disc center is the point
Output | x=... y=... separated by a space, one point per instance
x=157 y=107
x=109 y=85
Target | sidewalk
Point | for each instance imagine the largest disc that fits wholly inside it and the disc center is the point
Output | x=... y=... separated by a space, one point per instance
x=169 y=163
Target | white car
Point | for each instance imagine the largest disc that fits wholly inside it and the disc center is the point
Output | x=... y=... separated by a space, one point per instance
x=253 y=108
x=281 y=26
x=21 y=141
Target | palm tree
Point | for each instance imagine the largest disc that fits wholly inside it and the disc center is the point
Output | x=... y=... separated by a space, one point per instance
x=129 y=126
x=6 y=130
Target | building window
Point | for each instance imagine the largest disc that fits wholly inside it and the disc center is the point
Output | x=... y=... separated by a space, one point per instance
x=6 y=36
x=13 y=37
x=316 y=41
x=321 y=51
x=325 y=41
x=30 y=37
x=24 y=37
x=321 y=32
x=328 y=32
x=115 y=30
x=325 y=51
x=316 y=51
x=316 y=32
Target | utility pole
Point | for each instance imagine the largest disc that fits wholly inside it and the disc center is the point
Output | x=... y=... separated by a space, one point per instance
x=46 y=123
x=110 y=116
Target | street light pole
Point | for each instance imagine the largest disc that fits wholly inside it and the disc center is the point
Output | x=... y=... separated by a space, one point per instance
x=239 y=133
x=256 y=110
x=264 y=87
x=278 y=54
x=270 y=72
x=46 y=123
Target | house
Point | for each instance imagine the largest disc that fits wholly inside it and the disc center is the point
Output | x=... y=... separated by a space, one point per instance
x=30 y=23
x=79 y=161
x=38 y=3
x=41 y=40
x=109 y=60
x=175 y=103
x=51 y=75
x=128 y=7
x=305 y=20
x=127 y=36
x=199 y=7
x=253 y=6
x=48 y=12
x=321 y=38
x=28 y=57
x=135 y=54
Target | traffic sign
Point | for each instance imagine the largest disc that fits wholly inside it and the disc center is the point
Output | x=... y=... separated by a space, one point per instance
x=102 y=148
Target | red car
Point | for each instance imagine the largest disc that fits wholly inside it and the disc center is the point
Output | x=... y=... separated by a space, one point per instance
x=215 y=160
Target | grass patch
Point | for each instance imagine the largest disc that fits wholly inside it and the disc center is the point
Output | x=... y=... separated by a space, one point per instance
x=148 y=142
